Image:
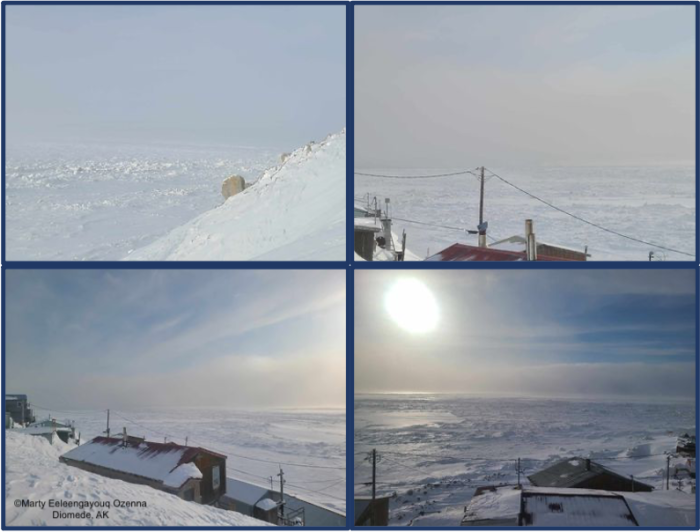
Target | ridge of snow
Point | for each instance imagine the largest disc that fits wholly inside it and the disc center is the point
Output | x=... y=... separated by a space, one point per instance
x=295 y=211
x=182 y=474
x=33 y=472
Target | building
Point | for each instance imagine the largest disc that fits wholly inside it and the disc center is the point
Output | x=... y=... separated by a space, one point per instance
x=192 y=473
x=465 y=253
x=17 y=405
x=63 y=430
x=508 y=506
x=372 y=512
x=584 y=473
x=251 y=499
x=685 y=445
x=519 y=243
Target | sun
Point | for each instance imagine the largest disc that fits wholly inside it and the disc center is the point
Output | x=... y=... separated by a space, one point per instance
x=412 y=306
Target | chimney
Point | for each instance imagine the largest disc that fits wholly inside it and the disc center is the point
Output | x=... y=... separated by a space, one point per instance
x=530 y=241
x=386 y=228
x=124 y=437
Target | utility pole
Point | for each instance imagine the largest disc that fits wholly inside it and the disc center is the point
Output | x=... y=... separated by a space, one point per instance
x=668 y=472
x=272 y=486
x=107 y=423
x=281 y=475
x=518 y=469
x=482 y=228
x=374 y=474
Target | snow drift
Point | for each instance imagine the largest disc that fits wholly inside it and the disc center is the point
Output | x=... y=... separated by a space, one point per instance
x=33 y=472
x=295 y=211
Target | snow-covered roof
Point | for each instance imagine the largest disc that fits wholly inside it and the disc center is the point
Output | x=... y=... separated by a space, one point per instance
x=574 y=472
x=155 y=461
x=579 y=510
x=571 y=507
x=245 y=492
x=266 y=504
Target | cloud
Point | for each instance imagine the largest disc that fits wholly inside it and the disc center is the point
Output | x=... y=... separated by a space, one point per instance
x=176 y=337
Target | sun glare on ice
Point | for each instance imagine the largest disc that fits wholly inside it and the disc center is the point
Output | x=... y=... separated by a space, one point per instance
x=412 y=306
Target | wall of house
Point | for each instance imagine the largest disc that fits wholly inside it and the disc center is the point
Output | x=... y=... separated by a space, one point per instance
x=206 y=463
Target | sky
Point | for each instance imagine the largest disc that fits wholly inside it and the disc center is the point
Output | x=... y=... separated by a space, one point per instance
x=95 y=339
x=546 y=333
x=464 y=86
x=268 y=76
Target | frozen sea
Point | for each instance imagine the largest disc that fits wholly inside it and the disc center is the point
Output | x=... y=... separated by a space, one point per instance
x=254 y=441
x=435 y=450
x=655 y=204
x=100 y=202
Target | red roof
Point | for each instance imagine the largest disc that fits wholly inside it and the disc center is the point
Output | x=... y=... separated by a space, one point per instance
x=462 y=252
x=152 y=448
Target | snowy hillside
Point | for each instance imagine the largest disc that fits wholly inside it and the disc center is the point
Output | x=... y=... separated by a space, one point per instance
x=33 y=472
x=437 y=449
x=99 y=202
x=295 y=211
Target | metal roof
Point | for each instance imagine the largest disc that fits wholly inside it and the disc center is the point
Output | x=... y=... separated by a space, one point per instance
x=585 y=510
x=573 y=472
x=465 y=253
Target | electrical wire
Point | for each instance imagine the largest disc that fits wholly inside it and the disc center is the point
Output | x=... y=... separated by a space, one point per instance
x=580 y=219
x=462 y=172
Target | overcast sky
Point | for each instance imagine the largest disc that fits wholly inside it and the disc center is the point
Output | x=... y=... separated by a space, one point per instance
x=590 y=333
x=253 y=75
x=94 y=339
x=461 y=86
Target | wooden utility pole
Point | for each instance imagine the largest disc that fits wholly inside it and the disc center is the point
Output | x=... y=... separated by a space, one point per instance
x=668 y=472
x=107 y=423
x=281 y=475
x=482 y=229
x=518 y=469
x=374 y=473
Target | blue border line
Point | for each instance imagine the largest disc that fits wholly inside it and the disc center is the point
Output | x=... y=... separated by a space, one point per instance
x=350 y=248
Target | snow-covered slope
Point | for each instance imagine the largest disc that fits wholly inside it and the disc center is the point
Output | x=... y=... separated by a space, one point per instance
x=33 y=472
x=295 y=211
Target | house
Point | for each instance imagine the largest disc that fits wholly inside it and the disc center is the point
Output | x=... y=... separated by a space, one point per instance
x=17 y=405
x=685 y=445
x=192 y=473
x=365 y=240
x=584 y=473
x=466 y=253
x=519 y=243
x=507 y=506
x=64 y=430
x=372 y=512
x=251 y=499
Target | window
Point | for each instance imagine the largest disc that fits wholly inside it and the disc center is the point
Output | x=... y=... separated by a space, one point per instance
x=215 y=477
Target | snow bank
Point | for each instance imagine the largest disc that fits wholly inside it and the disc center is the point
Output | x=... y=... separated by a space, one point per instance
x=295 y=211
x=182 y=474
x=33 y=472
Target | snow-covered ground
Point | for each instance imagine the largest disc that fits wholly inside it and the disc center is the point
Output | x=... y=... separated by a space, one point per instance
x=295 y=211
x=97 y=202
x=435 y=450
x=315 y=437
x=655 y=204
x=34 y=473
x=93 y=202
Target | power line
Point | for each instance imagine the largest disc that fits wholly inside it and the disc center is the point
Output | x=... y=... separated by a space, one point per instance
x=461 y=229
x=462 y=172
x=580 y=219
x=275 y=462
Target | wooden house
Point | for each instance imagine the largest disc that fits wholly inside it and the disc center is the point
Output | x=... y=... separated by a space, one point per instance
x=585 y=473
x=192 y=473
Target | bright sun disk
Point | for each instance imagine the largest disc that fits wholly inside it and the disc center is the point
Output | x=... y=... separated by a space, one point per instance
x=412 y=306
